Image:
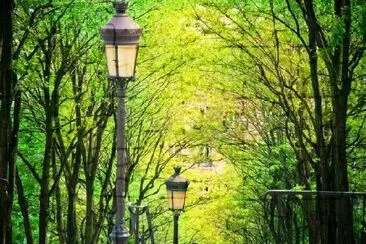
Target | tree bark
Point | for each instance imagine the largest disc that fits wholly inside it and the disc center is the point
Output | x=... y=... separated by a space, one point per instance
x=23 y=204
x=336 y=220
x=8 y=135
x=44 y=196
x=79 y=156
x=59 y=212
x=344 y=208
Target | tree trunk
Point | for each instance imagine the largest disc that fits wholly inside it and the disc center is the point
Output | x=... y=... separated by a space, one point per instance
x=59 y=212
x=59 y=216
x=23 y=204
x=8 y=138
x=72 y=227
x=344 y=208
x=71 y=218
x=89 y=222
x=44 y=196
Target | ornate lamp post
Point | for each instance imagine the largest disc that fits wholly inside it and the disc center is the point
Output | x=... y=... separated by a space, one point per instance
x=121 y=37
x=176 y=187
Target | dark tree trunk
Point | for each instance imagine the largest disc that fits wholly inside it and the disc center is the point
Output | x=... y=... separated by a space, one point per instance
x=44 y=196
x=8 y=131
x=23 y=204
x=71 y=218
x=59 y=212
x=90 y=220
x=335 y=216
x=51 y=106
x=343 y=205
x=72 y=228
x=344 y=208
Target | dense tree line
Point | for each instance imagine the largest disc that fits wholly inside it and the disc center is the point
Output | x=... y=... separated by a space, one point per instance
x=304 y=60
x=274 y=89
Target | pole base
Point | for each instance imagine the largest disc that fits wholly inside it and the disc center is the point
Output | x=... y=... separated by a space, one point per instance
x=119 y=234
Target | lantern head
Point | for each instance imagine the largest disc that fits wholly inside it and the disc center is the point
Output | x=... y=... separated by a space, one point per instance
x=121 y=38
x=176 y=187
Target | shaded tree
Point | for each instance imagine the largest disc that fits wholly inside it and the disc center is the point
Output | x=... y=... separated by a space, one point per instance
x=306 y=69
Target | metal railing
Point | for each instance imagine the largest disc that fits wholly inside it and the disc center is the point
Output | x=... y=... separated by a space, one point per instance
x=141 y=235
x=297 y=217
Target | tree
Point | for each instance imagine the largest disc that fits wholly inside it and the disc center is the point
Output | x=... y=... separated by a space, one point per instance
x=307 y=70
x=9 y=120
x=52 y=55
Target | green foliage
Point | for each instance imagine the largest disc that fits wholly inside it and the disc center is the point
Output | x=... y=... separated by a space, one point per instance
x=222 y=88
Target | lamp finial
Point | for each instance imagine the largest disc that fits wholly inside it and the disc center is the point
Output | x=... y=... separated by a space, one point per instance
x=120 y=7
x=177 y=170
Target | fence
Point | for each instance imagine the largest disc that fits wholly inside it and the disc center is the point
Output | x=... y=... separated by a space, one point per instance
x=297 y=217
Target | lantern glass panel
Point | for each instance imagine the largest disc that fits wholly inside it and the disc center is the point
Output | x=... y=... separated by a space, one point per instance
x=124 y=60
x=176 y=199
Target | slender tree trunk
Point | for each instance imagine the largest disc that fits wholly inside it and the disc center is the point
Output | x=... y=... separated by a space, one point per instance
x=105 y=199
x=51 y=105
x=12 y=159
x=23 y=204
x=324 y=207
x=89 y=223
x=90 y=164
x=303 y=170
x=44 y=196
x=8 y=138
x=344 y=209
x=71 y=218
x=72 y=228
x=59 y=212
x=89 y=172
x=90 y=168
x=308 y=206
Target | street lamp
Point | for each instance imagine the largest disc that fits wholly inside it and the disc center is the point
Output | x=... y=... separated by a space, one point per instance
x=121 y=37
x=176 y=187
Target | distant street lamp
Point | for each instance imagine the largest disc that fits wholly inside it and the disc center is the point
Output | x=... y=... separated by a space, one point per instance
x=176 y=187
x=121 y=37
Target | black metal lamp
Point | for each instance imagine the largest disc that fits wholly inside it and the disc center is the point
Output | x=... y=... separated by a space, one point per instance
x=176 y=187
x=121 y=38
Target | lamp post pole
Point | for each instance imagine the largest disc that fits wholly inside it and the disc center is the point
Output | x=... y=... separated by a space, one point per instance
x=176 y=219
x=120 y=234
x=121 y=37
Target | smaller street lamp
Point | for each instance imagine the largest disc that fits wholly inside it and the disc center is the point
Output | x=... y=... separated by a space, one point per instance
x=176 y=187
